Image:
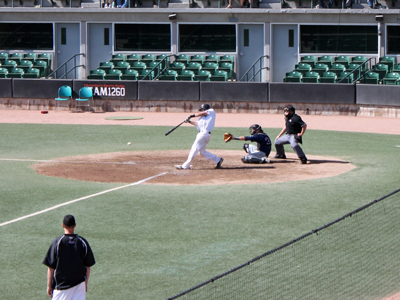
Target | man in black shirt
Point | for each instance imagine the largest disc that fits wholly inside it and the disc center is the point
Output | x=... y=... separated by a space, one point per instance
x=294 y=128
x=68 y=259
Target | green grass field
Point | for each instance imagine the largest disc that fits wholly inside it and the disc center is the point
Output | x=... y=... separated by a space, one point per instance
x=152 y=242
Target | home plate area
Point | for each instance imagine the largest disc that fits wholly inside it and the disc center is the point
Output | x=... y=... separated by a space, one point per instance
x=133 y=166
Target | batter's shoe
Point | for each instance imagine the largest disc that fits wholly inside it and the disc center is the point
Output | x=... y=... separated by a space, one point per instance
x=181 y=168
x=219 y=163
x=280 y=156
x=303 y=160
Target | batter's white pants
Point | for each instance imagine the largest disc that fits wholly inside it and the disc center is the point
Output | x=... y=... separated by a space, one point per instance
x=77 y=292
x=199 y=145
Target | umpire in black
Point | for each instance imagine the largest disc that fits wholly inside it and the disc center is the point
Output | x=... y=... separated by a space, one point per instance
x=294 y=128
x=69 y=260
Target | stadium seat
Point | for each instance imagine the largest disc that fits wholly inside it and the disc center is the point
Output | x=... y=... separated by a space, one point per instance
x=309 y=59
x=146 y=75
x=15 y=73
x=396 y=68
x=210 y=66
x=3 y=73
x=169 y=75
x=46 y=57
x=9 y=64
x=219 y=76
x=354 y=66
x=164 y=58
x=155 y=67
x=106 y=65
x=342 y=59
x=183 y=58
x=212 y=58
x=31 y=56
x=328 y=77
x=17 y=56
x=42 y=66
x=390 y=61
x=186 y=75
x=64 y=95
x=118 y=57
x=132 y=58
x=320 y=68
x=227 y=67
x=227 y=58
x=293 y=76
x=25 y=65
x=177 y=66
x=345 y=77
x=98 y=74
x=32 y=73
x=121 y=65
x=113 y=74
x=381 y=69
x=359 y=59
x=193 y=66
x=197 y=58
x=302 y=68
x=392 y=78
x=3 y=57
x=130 y=74
x=138 y=65
x=202 y=75
x=311 y=76
x=148 y=57
x=370 y=78
x=326 y=59
x=85 y=97
x=337 y=68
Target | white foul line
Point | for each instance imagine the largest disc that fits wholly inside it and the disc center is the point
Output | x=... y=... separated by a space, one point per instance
x=80 y=199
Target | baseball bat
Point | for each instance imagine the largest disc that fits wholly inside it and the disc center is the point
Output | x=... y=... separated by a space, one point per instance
x=169 y=131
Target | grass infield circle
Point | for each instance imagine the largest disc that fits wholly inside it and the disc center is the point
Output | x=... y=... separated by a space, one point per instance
x=123 y=118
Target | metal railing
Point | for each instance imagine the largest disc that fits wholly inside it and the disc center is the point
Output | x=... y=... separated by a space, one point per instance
x=64 y=66
x=253 y=71
x=360 y=71
x=161 y=67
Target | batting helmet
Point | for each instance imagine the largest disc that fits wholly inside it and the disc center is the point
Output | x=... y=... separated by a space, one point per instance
x=204 y=107
x=255 y=127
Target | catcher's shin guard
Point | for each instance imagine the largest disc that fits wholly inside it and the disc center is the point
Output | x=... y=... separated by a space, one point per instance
x=250 y=159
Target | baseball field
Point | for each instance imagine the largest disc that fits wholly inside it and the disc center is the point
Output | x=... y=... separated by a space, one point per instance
x=154 y=230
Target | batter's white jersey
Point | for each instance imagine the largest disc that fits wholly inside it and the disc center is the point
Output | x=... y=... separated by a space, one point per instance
x=206 y=123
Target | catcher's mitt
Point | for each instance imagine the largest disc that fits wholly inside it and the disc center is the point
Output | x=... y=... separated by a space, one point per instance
x=227 y=137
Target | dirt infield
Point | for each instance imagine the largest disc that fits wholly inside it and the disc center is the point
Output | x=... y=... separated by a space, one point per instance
x=128 y=167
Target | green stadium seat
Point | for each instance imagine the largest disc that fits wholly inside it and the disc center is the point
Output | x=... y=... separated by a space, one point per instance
x=312 y=77
x=85 y=97
x=17 y=56
x=3 y=57
x=197 y=58
x=9 y=64
x=32 y=73
x=381 y=69
x=345 y=77
x=138 y=65
x=164 y=58
x=390 y=61
x=326 y=59
x=25 y=65
x=309 y=59
x=320 y=68
x=359 y=59
x=31 y=56
x=106 y=65
x=15 y=73
x=370 y=78
x=3 y=73
x=212 y=58
x=45 y=57
x=118 y=57
x=184 y=58
x=121 y=65
x=337 y=68
x=98 y=74
x=293 y=76
x=227 y=58
x=114 y=74
x=169 y=75
x=342 y=59
x=130 y=74
x=302 y=68
x=396 y=68
x=392 y=78
x=210 y=66
x=219 y=76
x=177 y=66
x=155 y=67
x=203 y=75
x=148 y=57
x=64 y=95
x=193 y=66
x=328 y=77
x=42 y=66
x=186 y=75
x=227 y=67
x=132 y=58
x=146 y=75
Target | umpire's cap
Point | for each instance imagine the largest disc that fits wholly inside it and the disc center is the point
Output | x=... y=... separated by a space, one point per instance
x=204 y=107
x=69 y=220
x=290 y=108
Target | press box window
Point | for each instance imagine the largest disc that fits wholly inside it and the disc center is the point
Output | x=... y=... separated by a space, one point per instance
x=63 y=36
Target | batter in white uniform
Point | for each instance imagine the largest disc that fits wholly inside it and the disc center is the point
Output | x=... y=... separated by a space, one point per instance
x=205 y=125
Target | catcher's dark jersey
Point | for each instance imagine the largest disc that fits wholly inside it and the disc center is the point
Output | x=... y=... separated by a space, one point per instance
x=294 y=124
x=263 y=142
x=69 y=255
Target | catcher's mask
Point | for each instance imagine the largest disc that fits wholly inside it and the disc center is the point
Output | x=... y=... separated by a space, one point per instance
x=254 y=128
x=204 y=107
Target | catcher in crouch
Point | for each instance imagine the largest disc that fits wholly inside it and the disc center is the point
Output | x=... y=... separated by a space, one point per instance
x=256 y=154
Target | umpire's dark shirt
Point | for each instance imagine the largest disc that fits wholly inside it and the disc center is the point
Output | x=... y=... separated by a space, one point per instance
x=69 y=255
x=294 y=124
